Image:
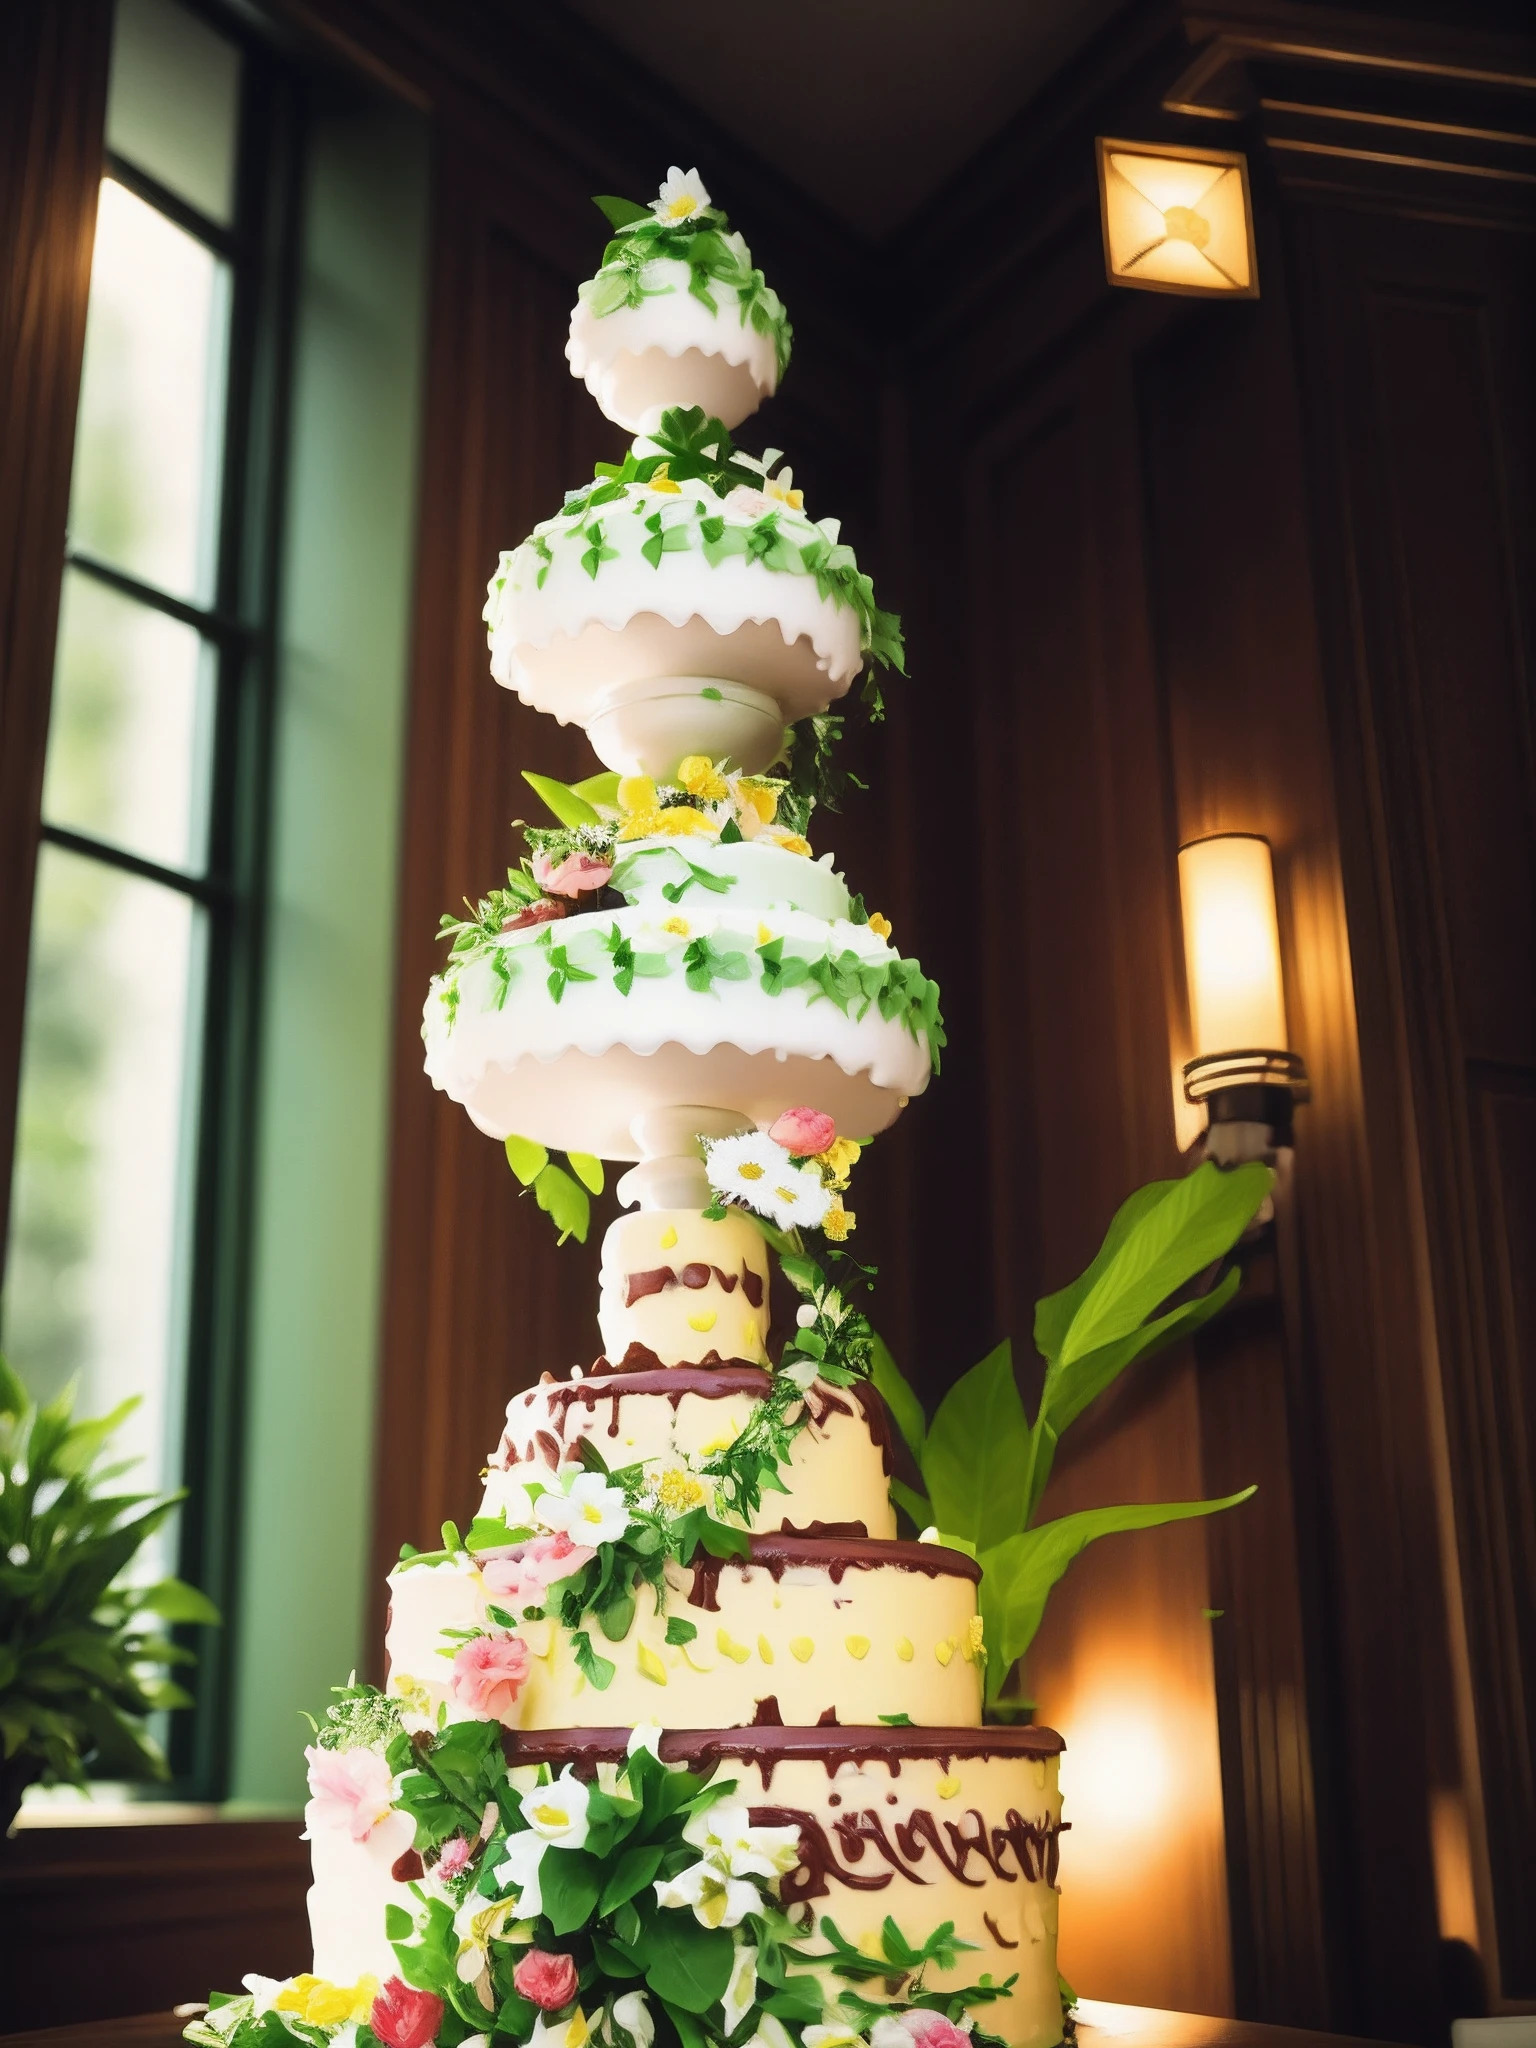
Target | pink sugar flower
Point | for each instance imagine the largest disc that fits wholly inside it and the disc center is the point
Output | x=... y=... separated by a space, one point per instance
x=545 y=911
x=488 y=1674
x=454 y=1857
x=349 y=1788
x=520 y=1577
x=549 y=1980
x=803 y=1132
x=573 y=876
x=405 y=2018
x=932 y=2030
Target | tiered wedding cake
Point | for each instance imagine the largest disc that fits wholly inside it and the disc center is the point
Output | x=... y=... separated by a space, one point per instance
x=684 y=1574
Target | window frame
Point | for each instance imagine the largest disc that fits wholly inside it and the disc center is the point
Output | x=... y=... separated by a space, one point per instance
x=239 y=623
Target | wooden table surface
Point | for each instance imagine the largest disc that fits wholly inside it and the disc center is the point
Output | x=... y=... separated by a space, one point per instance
x=1099 y=2026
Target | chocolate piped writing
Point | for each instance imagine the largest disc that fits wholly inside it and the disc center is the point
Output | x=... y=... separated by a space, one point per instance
x=862 y=1837
x=996 y=1932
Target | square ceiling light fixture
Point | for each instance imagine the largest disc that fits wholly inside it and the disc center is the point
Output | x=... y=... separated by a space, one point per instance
x=1177 y=220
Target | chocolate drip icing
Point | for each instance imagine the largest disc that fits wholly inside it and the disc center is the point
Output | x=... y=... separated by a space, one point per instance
x=847 y=1531
x=768 y=1715
x=996 y=1932
x=776 y=1554
x=656 y=1280
x=767 y=1746
x=407 y=1868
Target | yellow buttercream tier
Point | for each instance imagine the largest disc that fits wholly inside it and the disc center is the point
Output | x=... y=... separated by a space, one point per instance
x=837 y=1472
x=684 y=1286
x=925 y=1825
x=805 y=1628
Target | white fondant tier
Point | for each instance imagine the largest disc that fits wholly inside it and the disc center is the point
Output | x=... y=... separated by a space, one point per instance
x=925 y=1825
x=818 y=1625
x=671 y=349
x=587 y=616
x=836 y=1473
x=567 y=1032
x=761 y=877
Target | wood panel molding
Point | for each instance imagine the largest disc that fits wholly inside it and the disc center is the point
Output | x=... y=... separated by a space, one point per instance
x=53 y=85
x=99 y=1920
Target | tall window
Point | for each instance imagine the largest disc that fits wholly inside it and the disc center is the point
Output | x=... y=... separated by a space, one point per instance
x=129 y=1150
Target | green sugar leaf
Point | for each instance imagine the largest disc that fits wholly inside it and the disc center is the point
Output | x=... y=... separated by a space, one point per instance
x=680 y=1632
x=565 y=1202
x=567 y=804
x=526 y=1159
x=588 y=1170
x=620 y=213
x=687 y=1965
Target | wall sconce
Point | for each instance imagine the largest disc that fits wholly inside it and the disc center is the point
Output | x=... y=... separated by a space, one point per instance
x=1242 y=1074
x=1177 y=220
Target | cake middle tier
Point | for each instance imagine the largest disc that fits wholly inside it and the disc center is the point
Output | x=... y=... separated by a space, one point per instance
x=837 y=1472
x=807 y=1629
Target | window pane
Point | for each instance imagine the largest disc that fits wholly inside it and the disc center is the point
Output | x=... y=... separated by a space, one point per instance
x=103 y=1144
x=131 y=727
x=147 y=449
x=173 y=104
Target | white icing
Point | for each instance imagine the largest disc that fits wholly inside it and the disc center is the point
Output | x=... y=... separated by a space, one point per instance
x=672 y=350
x=763 y=876
x=575 y=1072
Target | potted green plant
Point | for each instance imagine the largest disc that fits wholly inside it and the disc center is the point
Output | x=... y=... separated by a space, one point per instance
x=83 y=1649
x=985 y=1464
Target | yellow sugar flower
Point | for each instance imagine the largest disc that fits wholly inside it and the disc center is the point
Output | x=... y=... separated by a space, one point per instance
x=793 y=843
x=700 y=777
x=678 y=1490
x=838 y=1222
x=676 y=822
x=678 y=926
x=636 y=793
x=324 y=2004
x=838 y=1161
x=880 y=926
x=763 y=800
x=660 y=481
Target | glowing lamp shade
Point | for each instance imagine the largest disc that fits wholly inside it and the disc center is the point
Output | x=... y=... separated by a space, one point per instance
x=1177 y=220
x=1232 y=946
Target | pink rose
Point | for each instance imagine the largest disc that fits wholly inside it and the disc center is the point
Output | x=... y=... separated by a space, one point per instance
x=405 y=2018
x=488 y=1674
x=350 y=1788
x=549 y=1980
x=573 y=876
x=453 y=1857
x=521 y=1576
x=932 y=2030
x=545 y=911
x=803 y=1132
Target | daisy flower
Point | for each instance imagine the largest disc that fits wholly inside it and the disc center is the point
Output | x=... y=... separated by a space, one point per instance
x=682 y=196
x=755 y=1171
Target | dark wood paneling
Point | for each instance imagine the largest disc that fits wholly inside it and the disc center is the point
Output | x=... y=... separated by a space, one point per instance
x=53 y=82
x=1424 y=327
x=97 y=1921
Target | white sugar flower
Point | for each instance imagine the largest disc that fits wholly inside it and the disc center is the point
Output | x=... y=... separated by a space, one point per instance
x=519 y=1867
x=781 y=489
x=644 y=1735
x=590 y=1512
x=832 y=2037
x=748 y=502
x=630 y=2016
x=741 y=1990
x=754 y=1170
x=572 y=2032
x=558 y=1812
x=725 y=1834
x=717 y=1900
x=478 y=1923
x=682 y=196
x=771 y=2033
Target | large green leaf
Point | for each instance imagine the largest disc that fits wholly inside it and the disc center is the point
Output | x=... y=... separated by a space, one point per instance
x=1197 y=1221
x=687 y=1964
x=1018 y=1574
x=1070 y=1389
x=13 y=1395
x=1053 y=1315
x=570 y=1884
x=912 y=1503
x=567 y=806
x=175 y=1600
x=976 y=1452
x=894 y=1390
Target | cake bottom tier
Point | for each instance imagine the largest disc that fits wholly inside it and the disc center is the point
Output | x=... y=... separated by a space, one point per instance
x=925 y=1825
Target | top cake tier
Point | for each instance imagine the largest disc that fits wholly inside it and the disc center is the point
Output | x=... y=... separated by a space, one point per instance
x=677 y=314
